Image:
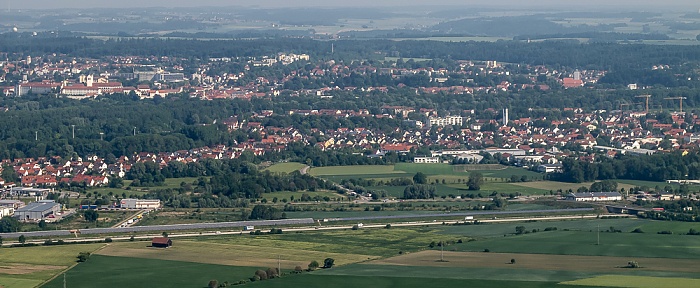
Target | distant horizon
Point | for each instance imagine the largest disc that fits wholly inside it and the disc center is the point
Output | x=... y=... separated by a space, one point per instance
x=594 y=5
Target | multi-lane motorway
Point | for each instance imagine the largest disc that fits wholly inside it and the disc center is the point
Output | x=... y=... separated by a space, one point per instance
x=284 y=222
x=162 y=228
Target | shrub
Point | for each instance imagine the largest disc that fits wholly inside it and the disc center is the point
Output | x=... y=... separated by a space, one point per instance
x=298 y=269
x=83 y=256
x=328 y=263
x=261 y=274
x=313 y=265
x=667 y=232
x=638 y=230
x=213 y=284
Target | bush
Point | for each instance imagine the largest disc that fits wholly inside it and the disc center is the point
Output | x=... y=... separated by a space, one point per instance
x=83 y=256
x=693 y=232
x=213 y=284
x=108 y=240
x=261 y=274
x=298 y=269
x=632 y=264
x=388 y=226
x=666 y=232
x=313 y=265
x=638 y=230
x=487 y=250
x=328 y=263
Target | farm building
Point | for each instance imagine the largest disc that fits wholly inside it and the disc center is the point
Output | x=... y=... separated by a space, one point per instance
x=161 y=242
x=37 y=211
x=594 y=196
x=140 y=203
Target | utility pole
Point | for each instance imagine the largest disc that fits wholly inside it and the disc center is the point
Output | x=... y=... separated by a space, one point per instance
x=134 y=131
x=36 y=135
x=73 y=130
x=598 y=242
x=101 y=135
x=442 y=251
x=279 y=265
x=64 y=280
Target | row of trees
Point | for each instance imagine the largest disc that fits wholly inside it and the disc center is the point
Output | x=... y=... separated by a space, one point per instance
x=658 y=167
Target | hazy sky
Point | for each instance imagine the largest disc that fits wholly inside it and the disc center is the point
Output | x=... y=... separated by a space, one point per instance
x=592 y=4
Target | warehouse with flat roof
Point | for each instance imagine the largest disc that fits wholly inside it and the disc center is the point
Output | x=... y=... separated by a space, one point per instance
x=37 y=211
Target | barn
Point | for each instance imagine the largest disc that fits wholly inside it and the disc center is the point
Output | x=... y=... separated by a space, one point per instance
x=161 y=242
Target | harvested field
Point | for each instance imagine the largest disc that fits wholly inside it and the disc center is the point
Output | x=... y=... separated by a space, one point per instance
x=226 y=254
x=539 y=261
x=19 y=269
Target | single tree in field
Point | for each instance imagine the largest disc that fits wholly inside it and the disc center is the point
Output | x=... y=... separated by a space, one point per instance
x=420 y=178
x=475 y=181
x=213 y=284
x=512 y=261
x=328 y=263
x=22 y=239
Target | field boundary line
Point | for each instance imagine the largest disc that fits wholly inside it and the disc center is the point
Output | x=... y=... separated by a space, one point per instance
x=67 y=269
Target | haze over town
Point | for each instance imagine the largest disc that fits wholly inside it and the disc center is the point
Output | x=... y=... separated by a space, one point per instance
x=595 y=5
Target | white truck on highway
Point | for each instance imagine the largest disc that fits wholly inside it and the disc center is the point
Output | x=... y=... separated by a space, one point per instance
x=248 y=228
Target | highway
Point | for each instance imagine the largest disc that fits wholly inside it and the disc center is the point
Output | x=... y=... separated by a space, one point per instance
x=462 y=214
x=162 y=228
x=314 y=228
x=299 y=221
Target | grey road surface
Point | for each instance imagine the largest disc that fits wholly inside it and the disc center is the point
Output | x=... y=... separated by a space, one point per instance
x=171 y=227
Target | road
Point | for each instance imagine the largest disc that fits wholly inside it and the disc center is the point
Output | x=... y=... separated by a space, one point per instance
x=218 y=225
x=475 y=213
x=323 y=228
x=161 y=228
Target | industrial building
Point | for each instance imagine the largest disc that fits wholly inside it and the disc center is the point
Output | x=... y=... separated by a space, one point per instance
x=37 y=211
x=14 y=204
x=140 y=203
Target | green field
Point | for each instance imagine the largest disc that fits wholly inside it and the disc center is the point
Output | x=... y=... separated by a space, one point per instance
x=109 y=271
x=584 y=243
x=373 y=242
x=29 y=266
x=353 y=170
x=287 y=167
x=317 y=280
x=637 y=281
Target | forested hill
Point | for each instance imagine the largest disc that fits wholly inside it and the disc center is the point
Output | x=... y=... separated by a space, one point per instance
x=603 y=56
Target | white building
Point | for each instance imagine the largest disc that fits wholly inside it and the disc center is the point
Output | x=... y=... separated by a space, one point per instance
x=140 y=203
x=447 y=120
x=6 y=211
x=425 y=159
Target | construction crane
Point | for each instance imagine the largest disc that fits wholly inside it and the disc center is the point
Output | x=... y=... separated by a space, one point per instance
x=680 y=100
x=647 y=101
x=621 y=111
